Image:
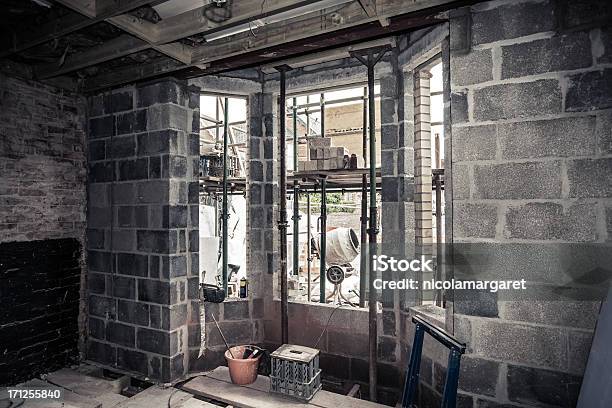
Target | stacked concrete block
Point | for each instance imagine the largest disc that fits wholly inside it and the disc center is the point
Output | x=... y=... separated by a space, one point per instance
x=529 y=172
x=241 y=319
x=324 y=156
x=397 y=209
x=143 y=224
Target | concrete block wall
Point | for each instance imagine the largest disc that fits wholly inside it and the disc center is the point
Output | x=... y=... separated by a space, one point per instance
x=242 y=319
x=344 y=345
x=531 y=167
x=143 y=228
x=42 y=227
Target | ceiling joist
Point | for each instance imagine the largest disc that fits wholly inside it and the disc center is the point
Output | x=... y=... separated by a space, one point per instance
x=115 y=48
x=251 y=32
x=276 y=41
x=69 y=23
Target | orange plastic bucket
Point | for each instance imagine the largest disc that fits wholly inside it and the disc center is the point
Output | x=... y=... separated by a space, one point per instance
x=242 y=371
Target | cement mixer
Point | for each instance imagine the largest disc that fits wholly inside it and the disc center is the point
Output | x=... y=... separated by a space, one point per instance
x=342 y=246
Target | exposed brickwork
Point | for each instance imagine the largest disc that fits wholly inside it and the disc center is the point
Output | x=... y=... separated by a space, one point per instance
x=42 y=162
x=39 y=306
x=42 y=227
x=144 y=312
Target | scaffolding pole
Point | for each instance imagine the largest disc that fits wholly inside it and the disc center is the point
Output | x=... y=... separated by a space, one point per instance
x=323 y=240
x=309 y=258
x=363 y=265
x=369 y=58
x=282 y=223
x=224 y=212
x=296 y=192
x=438 y=185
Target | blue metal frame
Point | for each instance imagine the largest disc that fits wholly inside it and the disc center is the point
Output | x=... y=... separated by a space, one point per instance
x=449 y=397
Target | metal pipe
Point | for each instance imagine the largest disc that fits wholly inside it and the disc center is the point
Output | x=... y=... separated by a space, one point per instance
x=307 y=117
x=369 y=60
x=296 y=227
x=282 y=223
x=296 y=192
x=323 y=240
x=322 y=115
x=308 y=257
x=363 y=265
x=295 y=136
x=438 y=181
x=217 y=102
x=225 y=213
x=373 y=231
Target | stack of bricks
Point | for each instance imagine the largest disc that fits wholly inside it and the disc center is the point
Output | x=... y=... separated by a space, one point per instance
x=324 y=156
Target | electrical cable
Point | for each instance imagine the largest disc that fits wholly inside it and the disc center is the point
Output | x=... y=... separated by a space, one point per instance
x=170 y=396
x=327 y=324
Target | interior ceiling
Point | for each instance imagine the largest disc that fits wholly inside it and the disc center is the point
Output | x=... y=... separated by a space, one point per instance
x=103 y=43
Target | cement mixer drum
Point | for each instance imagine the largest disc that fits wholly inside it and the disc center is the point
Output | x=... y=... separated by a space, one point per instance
x=342 y=246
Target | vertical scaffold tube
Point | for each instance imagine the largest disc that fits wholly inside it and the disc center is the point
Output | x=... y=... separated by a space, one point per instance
x=224 y=212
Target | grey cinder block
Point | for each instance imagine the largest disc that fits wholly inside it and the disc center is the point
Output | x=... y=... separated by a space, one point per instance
x=589 y=91
x=562 y=137
x=517 y=100
x=559 y=53
x=527 y=18
x=508 y=181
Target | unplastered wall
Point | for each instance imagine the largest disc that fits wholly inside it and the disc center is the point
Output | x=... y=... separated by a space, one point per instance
x=344 y=345
x=42 y=227
x=531 y=170
x=241 y=320
x=42 y=179
x=142 y=225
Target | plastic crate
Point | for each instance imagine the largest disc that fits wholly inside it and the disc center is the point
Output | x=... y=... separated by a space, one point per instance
x=295 y=371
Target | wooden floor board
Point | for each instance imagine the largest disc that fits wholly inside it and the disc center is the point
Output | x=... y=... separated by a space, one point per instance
x=217 y=385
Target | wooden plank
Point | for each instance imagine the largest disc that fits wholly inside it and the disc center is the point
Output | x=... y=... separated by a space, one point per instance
x=279 y=39
x=80 y=384
x=279 y=33
x=196 y=403
x=159 y=36
x=129 y=74
x=156 y=396
x=195 y=22
x=369 y=7
x=326 y=56
x=218 y=384
x=65 y=25
x=241 y=397
x=304 y=27
x=69 y=399
x=110 y=400
x=115 y=48
x=85 y=7
x=138 y=28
